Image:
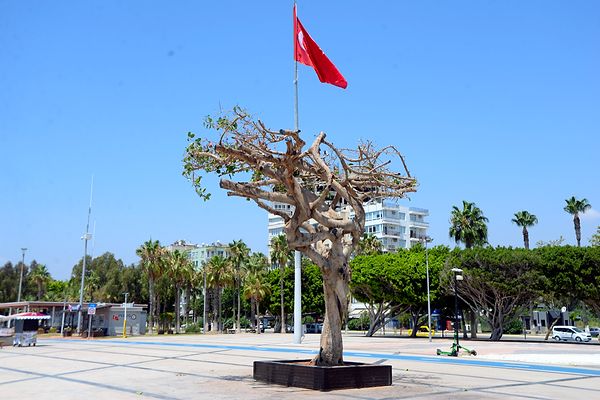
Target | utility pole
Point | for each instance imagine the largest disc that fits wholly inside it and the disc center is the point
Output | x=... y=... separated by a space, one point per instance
x=87 y=236
x=23 y=250
x=427 y=239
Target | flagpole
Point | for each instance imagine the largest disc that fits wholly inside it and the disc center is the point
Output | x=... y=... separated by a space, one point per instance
x=297 y=254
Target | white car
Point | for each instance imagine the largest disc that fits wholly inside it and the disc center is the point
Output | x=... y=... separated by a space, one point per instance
x=570 y=333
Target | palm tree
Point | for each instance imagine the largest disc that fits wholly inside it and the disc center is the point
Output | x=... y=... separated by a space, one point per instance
x=92 y=283
x=180 y=271
x=239 y=254
x=595 y=239
x=468 y=225
x=525 y=219
x=369 y=245
x=256 y=289
x=151 y=254
x=280 y=254
x=574 y=207
x=41 y=277
x=257 y=265
x=218 y=276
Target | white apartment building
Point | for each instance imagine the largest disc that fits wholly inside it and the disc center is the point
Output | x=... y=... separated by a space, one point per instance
x=200 y=253
x=204 y=252
x=395 y=225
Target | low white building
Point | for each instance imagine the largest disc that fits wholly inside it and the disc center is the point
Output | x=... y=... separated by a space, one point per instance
x=204 y=252
x=200 y=253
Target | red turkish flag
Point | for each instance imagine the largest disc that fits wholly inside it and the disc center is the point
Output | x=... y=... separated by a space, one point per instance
x=307 y=52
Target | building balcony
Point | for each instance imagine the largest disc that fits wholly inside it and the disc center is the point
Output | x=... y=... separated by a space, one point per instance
x=418 y=224
x=417 y=236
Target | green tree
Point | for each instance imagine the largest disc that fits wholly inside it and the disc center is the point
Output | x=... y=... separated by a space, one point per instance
x=313 y=301
x=394 y=282
x=56 y=290
x=256 y=289
x=257 y=265
x=497 y=283
x=280 y=255
x=574 y=207
x=591 y=266
x=571 y=276
x=40 y=277
x=525 y=219
x=239 y=256
x=9 y=283
x=595 y=239
x=312 y=290
x=218 y=276
x=151 y=254
x=468 y=225
x=92 y=285
x=179 y=270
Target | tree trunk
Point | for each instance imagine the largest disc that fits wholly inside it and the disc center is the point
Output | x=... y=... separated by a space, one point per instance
x=549 y=332
x=253 y=311
x=186 y=309
x=335 y=287
x=239 y=328
x=151 y=306
x=257 y=317
x=215 y=307
x=577 y=224
x=463 y=322
x=473 y=324
x=414 y=316
x=220 y=315
x=281 y=286
x=375 y=323
x=496 y=333
x=526 y=237
x=233 y=313
x=177 y=308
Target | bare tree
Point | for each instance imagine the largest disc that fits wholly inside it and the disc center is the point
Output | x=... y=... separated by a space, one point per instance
x=326 y=186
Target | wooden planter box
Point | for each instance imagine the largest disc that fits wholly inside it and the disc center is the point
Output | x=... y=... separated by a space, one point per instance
x=348 y=376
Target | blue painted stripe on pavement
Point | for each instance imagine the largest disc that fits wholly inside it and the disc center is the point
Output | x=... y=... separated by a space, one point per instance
x=390 y=356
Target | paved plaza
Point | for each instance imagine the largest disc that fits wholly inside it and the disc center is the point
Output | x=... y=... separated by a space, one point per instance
x=220 y=367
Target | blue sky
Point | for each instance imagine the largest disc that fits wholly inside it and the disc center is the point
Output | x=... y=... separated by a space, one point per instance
x=491 y=102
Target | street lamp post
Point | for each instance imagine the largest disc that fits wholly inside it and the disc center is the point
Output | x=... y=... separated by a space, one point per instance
x=427 y=239
x=85 y=238
x=457 y=277
x=23 y=250
x=205 y=298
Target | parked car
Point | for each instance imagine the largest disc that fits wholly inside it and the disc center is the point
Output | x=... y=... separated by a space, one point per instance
x=423 y=331
x=314 y=328
x=570 y=333
x=594 y=331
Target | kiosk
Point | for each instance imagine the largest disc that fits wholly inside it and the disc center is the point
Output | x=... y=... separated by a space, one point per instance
x=26 y=327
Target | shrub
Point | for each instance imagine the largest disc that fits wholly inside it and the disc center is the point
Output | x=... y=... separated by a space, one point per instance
x=194 y=328
x=359 y=324
x=514 y=327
